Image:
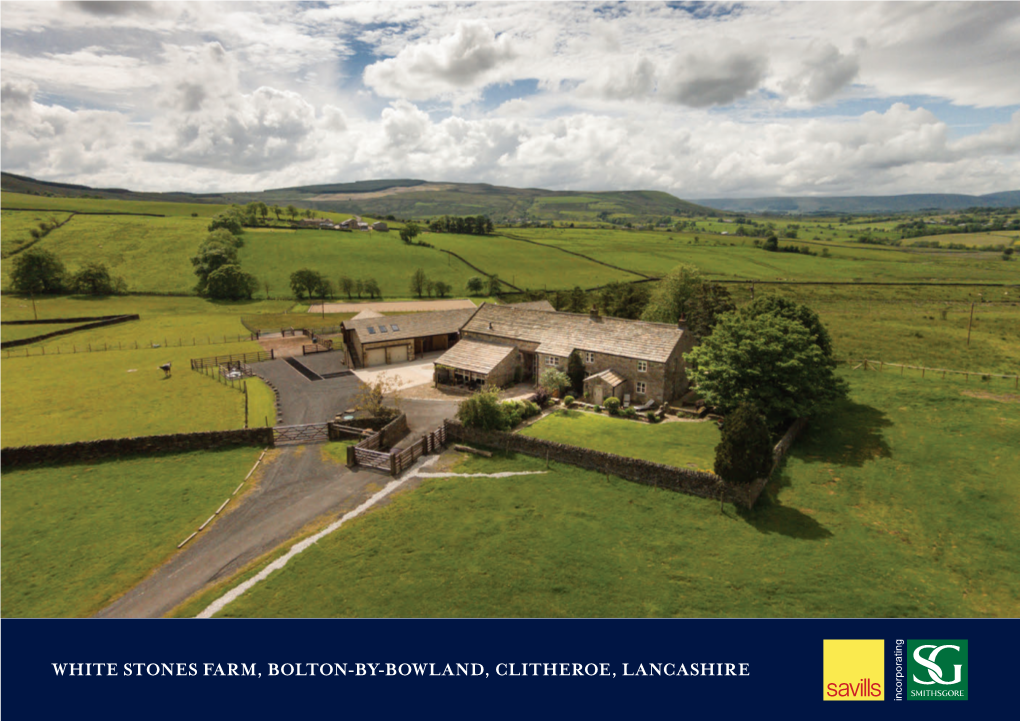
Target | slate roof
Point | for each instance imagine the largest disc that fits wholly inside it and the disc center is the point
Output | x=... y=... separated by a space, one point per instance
x=534 y=305
x=475 y=356
x=414 y=325
x=609 y=376
x=560 y=333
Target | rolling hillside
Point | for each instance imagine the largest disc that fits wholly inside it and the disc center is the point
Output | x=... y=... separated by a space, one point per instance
x=866 y=203
x=409 y=198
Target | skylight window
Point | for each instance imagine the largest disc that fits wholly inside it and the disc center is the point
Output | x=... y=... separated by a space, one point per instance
x=394 y=326
x=371 y=330
x=382 y=329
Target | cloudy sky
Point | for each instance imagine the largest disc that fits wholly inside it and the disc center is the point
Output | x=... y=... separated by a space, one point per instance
x=700 y=100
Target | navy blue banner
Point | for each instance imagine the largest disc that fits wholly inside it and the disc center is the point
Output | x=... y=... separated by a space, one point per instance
x=498 y=668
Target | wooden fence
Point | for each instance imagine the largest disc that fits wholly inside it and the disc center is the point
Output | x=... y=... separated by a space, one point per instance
x=395 y=462
x=306 y=433
x=880 y=366
x=426 y=445
x=254 y=357
x=35 y=351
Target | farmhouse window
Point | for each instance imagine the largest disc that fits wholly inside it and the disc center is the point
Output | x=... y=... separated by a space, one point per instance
x=589 y=357
x=641 y=387
x=642 y=366
x=552 y=361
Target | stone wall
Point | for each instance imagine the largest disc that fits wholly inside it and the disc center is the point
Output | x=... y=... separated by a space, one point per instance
x=658 y=475
x=394 y=431
x=106 y=320
x=143 y=445
x=778 y=453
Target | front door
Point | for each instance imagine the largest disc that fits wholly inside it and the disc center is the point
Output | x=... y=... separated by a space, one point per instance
x=598 y=394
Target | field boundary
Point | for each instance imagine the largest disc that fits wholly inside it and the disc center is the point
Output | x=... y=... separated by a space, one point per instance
x=579 y=255
x=97 y=323
x=88 y=212
x=873 y=365
x=42 y=236
x=79 y=451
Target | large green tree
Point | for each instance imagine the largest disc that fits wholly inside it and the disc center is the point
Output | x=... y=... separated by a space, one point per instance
x=37 y=270
x=94 y=278
x=305 y=282
x=212 y=255
x=791 y=310
x=769 y=360
x=419 y=282
x=229 y=282
x=710 y=302
x=673 y=295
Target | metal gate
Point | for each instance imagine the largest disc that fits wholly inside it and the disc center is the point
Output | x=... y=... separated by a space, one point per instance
x=307 y=433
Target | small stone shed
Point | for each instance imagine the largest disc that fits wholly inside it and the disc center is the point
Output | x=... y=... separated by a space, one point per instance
x=604 y=385
x=474 y=363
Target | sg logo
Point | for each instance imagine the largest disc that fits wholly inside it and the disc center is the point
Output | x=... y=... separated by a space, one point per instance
x=934 y=670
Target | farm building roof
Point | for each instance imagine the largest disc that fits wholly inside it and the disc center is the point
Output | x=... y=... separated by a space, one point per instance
x=475 y=356
x=560 y=333
x=402 y=327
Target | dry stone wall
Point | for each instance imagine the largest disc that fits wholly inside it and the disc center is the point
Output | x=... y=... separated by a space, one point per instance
x=142 y=445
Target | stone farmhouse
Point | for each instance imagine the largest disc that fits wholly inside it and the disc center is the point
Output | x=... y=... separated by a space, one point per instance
x=503 y=343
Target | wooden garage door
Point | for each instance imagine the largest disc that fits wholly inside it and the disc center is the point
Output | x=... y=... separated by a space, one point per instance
x=398 y=354
x=375 y=357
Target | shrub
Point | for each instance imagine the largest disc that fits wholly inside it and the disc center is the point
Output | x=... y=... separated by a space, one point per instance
x=652 y=417
x=628 y=412
x=483 y=411
x=568 y=401
x=612 y=405
x=598 y=409
x=555 y=381
x=513 y=413
x=541 y=396
x=531 y=409
x=744 y=452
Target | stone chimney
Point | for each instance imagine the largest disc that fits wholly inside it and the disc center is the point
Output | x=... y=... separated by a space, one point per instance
x=594 y=312
x=682 y=323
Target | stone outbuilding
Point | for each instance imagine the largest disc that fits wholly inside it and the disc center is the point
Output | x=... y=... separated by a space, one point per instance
x=375 y=341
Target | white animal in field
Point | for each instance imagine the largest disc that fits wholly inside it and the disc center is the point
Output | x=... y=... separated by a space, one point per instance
x=166 y=370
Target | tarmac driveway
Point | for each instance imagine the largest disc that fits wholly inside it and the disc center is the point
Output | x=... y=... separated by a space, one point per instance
x=310 y=401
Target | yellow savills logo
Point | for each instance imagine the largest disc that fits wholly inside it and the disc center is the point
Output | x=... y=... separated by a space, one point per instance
x=853 y=670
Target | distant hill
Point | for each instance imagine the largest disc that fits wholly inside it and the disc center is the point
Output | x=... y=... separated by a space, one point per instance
x=409 y=198
x=866 y=203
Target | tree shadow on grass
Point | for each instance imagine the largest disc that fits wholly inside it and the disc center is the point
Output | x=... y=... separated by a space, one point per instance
x=770 y=516
x=847 y=434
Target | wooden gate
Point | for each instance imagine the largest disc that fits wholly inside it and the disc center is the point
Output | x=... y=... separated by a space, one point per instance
x=307 y=433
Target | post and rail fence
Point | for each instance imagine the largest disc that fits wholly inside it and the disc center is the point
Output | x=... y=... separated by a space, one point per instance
x=880 y=366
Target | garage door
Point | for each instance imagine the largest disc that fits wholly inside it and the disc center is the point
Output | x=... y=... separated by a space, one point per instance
x=398 y=354
x=375 y=357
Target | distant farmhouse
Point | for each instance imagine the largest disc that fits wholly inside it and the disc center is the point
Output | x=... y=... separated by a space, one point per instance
x=500 y=344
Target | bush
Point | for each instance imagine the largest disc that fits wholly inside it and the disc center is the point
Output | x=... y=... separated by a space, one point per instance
x=612 y=405
x=555 y=381
x=483 y=411
x=531 y=409
x=541 y=396
x=652 y=417
x=628 y=412
x=598 y=409
x=744 y=452
x=94 y=279
x=568 y=401
x=513 y=413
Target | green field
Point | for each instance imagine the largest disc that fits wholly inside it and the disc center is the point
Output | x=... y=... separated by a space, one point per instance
x=655 y=252
x=275 y=255
x=15 y=227
x=526 y=265
x=900 y=503
x=117 y=393
x=681 y=444
x=77 y=536
x=20 y=332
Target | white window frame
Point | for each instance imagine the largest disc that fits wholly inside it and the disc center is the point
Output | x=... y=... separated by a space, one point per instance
x=641 y=387
x=642 y=366
x=589 y=357
x=552 y=360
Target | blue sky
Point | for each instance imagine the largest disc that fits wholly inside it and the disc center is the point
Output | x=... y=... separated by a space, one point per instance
x=697 y=99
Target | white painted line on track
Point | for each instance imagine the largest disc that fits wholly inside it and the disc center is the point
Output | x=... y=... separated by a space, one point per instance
x=179 y=545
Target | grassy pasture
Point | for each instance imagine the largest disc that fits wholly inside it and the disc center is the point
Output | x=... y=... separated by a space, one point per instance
x=675 y=444
x=84 y=396
x=897 y=504
x=999 y=237
x=95 y=205
x=382 y=256
x=19 y=332
x=77 y=536
x=655 y=252
x=15 y=227
x=527 y=265
x=151 y=254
